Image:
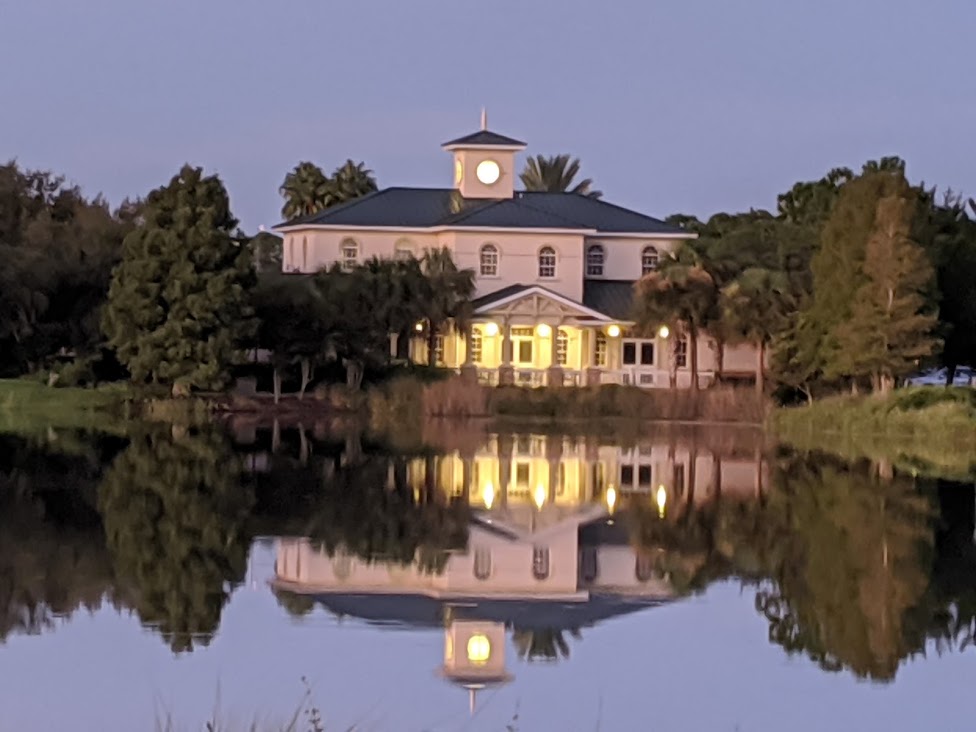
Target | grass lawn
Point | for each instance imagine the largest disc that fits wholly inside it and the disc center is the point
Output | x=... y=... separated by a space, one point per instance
x=28 y=406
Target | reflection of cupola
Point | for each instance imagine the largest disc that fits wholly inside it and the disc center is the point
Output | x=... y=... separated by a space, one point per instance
x=484 y=163
x=474 y=655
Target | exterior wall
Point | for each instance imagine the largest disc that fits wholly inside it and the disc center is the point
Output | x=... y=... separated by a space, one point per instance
x=311 y=250
x=623 y=255
x=518 y=260
x=471 y=187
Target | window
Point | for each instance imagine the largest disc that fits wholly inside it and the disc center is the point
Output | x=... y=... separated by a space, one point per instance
x=629 y=353
x=522 y=475
x=679 y=479
x=643 y=475
x=681 y=353
x=649 y=259
x=647 y=353
x=626 y=475
x=599 y=477
x=588 y=564
x=595 y=257
x=644 y=567
x=489 y=260
x=636 y=353
x=403 y=250
x=438 y=349
x=540 y=562
x=522 y=339
x=482 y=563
x=350 y=254
x=547 y=262
x=475 y=345
x=600 y=350
x=524 y=353
x=562 y=347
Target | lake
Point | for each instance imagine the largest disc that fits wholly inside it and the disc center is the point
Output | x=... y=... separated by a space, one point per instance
x=468 y=579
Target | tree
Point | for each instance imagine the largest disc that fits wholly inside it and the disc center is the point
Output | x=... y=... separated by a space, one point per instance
x=266 y=251
x=306 y=190
x=178 y=307
x=889 y=329
x=447 y=297
x=755 y=308
x=682 y=296
x=349 y=181
x=811 y=202
x=556 y=174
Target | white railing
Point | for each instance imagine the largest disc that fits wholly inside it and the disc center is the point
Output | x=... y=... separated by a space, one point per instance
x=631 y=377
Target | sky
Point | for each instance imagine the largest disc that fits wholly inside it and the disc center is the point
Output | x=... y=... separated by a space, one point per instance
x=691 y=106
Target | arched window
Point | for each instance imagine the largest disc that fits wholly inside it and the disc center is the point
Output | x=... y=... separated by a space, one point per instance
x=649 y=259
x=547 y=262
x=350 y=254
x=644 y=567
x=482 y=563
x=588 y=568
x=489 y=260
x=595 y=257
x=562 y=347
x=304 y=253
x=403 y=250
x=475 y=345
x=540 y=562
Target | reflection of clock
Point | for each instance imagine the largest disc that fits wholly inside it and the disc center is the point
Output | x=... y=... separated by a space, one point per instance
x=488 y=172
x=458 y=172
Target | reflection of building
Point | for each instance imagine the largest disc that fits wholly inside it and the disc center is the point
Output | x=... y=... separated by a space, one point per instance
x=554 y=272
x=474 y=655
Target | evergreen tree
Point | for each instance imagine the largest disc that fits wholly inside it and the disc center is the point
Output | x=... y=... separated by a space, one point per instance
x=178 y=308
x=888 y=330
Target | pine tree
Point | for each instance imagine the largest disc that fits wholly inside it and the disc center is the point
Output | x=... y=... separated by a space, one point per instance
x=889 y=328
x=178 y=309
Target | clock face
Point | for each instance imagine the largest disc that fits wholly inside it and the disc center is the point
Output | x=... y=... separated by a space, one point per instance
x=458 y=172
x=488 y=172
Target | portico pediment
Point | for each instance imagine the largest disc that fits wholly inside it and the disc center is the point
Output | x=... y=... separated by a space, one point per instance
x=535 y=303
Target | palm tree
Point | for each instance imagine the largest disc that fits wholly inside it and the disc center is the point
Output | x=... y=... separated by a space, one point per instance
x=556 y=175
x=682 y=296
x=755 y=308
x=351 y=180
x=545 y=644
x=306 y=191
x=448 y=294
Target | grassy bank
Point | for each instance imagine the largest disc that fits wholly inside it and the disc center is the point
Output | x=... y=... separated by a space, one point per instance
x=929 y=430
x=27 y=405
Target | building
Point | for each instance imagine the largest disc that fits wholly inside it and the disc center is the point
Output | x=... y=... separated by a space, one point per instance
x=554 y=272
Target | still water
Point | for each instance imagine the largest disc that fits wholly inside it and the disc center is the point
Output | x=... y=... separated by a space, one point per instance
x=687 y=579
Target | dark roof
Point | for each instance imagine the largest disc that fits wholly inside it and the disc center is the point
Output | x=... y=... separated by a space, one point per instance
x=430 y=207
x=613 y=298
x=508 y=292
x=486 y=137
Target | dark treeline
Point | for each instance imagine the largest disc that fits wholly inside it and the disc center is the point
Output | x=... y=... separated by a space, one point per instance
x=856 y=280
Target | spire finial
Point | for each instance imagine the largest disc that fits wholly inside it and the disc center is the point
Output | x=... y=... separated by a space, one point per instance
x=484 y=118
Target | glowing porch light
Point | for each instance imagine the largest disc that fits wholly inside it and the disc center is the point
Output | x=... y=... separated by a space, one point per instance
x=491 y=329
x=489 y=495
x=479 y=649
x=662 y=499
x=539 y=496
x=419 y=327
x=613 y=331
x=611 y=499
x=544 y=330
x=664 y=331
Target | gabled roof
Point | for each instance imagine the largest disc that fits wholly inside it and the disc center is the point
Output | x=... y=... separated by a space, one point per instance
x=514 y=292
x=431 y=208
x=485 y=138
x=612 y=297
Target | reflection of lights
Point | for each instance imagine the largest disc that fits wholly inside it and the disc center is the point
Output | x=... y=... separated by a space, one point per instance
x=544 y=330
x=418 y=327
x=489 y=494
x=613 y=331
x=662 y=499
x=479 y=649
x=540 y=495
x=449 y=649
x=664 y=331
x=611 y=498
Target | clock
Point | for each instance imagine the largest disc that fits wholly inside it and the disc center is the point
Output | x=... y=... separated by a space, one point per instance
x=458 y=172
x=488 y=172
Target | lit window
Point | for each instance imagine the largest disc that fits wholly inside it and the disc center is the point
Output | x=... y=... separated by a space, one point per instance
x=547 y=262
x=562 y=347
x=489 y=260
x=681 y=353
x=438 y=349
x=482 y=563
x=600 y=350
x=649 y=259
x=595 y=257
x=540 y=562
x=475 y=345
x=522 y=475
x=350 y=254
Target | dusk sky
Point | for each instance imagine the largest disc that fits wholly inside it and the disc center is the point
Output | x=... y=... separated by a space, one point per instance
x=693 y=106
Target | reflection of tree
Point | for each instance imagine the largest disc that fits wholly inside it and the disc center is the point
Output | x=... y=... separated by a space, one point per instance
x=174 y=510
x=367 y=509
x=295 y=604
x=545 y=645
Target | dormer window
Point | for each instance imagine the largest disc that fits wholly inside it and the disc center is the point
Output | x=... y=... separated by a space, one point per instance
x=489 y=260
x=649 y=260
x=595 y=257
x=547 y=263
